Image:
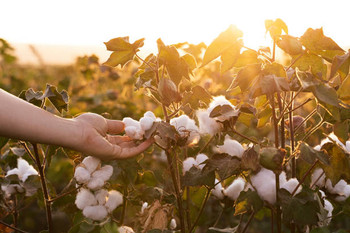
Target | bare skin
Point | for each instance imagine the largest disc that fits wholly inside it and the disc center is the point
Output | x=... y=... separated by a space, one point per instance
x=89 y=133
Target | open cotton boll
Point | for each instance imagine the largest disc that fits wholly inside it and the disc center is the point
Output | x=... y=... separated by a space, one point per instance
x=220 y=100
x=338 y=188
x=188 y=163
x=334 y=138
x=97 y=212
x=150 y=114
x=101 y=196
x=128 y=121
x=218 y=190
x=85 y=198
x=115 y=199
x=235 y=188
x=186 y=127
x=144 y=206
x=264 y=182
x=290 y=185
x=207 y=125
x=125 y=229
x=344 y=194
x=172 y=224
x=329 y=207
x=134 y=132
x=95 y=183
x=315 y=175
x=82 y=175
x=23 y=170
x=91 y=163
x=318 y=147
x=104 y=173
x=12 y=189
x=231 y=147
x=347 y=146
x=146 y=123
x=200 y=158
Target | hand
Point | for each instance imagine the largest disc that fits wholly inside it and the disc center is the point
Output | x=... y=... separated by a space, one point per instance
x=99 y=138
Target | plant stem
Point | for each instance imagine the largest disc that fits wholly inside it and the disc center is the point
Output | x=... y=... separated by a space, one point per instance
x=11 y=227
x=201 y=210
x=292 y=144
x=188 y=197
x=316 y=127
x=282 y=129
x=306 y=119
x=304 y=176
x=275 y=123
x=249 y=221
x=125 y=202
x=301 y=105
x=62 y=195
x=206 y=144
x=243 y=136
x=290 y=102
x=272 y=223
x=177 y=191
x=278 y=209
x=44 y=188
x=143 y=60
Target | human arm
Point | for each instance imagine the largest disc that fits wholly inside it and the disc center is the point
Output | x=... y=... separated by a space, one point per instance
x=88 y=133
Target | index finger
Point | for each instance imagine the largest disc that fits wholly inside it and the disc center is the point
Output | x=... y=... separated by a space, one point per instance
x=115 y=126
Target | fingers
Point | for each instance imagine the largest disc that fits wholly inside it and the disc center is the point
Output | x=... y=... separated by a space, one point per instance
x=115 y=126
x=127 y=152
x=117 y=139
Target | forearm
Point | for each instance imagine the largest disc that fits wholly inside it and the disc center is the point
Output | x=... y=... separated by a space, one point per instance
x=22 y=120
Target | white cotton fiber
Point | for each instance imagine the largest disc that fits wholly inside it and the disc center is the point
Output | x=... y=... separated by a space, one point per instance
x=101 y=196
x=91 y=163
x=12 y=189
x=144 y=206
x=231 y=147
x=115 y=199
x=134 y=132
x=218 y=190
x=334 y=138
x=318 y=147
x=188 y=163
x=338 y=188
x=200 y=158
x=82 y=175
x=347 y=146
x=172 y=225
x=146 y=123
x=95 y=183
x=186 y=127
x=150 y=115
x=125 y=229
x=85 y=198
x=23 y=170
x=315 y=175
x=207 y=125
x=290 y=185
x=104 y=173
x=344 y=194
x=128 y=121
x=97 y=212
x=265 y=184
x=235 y=188
x=329 y=207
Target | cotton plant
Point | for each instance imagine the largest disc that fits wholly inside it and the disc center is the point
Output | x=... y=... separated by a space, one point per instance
x=209 y=125
x=197 y=162
x=22 y=171
x=136 y=129
x=187 y=128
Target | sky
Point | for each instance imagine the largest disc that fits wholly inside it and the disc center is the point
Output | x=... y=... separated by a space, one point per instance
x=90 y=23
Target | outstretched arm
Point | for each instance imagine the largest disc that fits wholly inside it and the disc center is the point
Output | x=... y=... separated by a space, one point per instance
x=89 y=133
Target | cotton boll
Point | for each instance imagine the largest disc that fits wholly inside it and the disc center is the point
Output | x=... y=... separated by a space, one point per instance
x=235 y=188
x=125 y=229
x=338 y=188
x=200 y=158
x=91 y=163
x=101 y=196
x=290 y=185
x=104 y=173
x=128 y=121
x=85 y=198
x=329 y=207
x=11 y=189
x=347 y=146
x=207 y=125
x=264 y=182
x=95 y=183
x=115 y=199
x=315 y=175
x=188 y=163
x=172 y=224
x=146 y=123
x=134 y=132
x=23 y=170
x=318 y=147
x=218 y=190
x=82 y=175
x=150 y=115
x=144 y=206
x=231 y=147
x=97 y=212
x=186 y=127
x=344 y=194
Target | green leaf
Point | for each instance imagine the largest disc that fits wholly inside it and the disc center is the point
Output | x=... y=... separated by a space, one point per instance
x=339 y=167
x=224 y=110
x=275 y=69
x=275 y=27
x=316 y=63
x=306 y=79
x=341 y=64
x=191 y=61
x=247 y=57
x=196 y=96
x=290 y=45
x=224 y=41
x=109 y=227
x=310 y=155
x=264 y=116
x=246 y=76
x=3 y=142
x=120 y=58
x=198 y=177
x=341 y=130
x=270 y=84
x=58 y=99
x=230 y=56
x=248 y=201
x=224 y=164
x=315 y=40
x=33 y=97
x=343 y=91
x=326 y=94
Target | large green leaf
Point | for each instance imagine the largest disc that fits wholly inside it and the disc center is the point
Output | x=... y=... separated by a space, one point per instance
x=290 y=45
x=315 y=40
x=224 y=41
x=58 y=99
x=310 y=155
x=326 y=94
x=275 y=27
x=246 y=76
x=224 y=164
x=316 y=63
x=248 y=201
x=198 y=177
x=196 y=97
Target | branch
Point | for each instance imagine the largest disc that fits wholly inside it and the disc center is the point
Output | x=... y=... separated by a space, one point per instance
x=304 y=176
x=201 y=210
x=13 y=228
x=249 y=221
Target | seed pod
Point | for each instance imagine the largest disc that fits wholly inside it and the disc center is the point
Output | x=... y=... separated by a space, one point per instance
x=168 y=92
